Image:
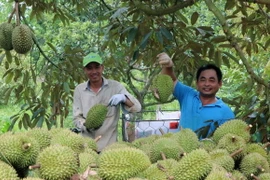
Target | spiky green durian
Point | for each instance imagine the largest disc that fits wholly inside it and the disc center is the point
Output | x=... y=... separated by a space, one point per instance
x=7 y=172
x=65 y=137
x=255 y=147
x=218 y=173
x=96 y=116
x=232 y=143
x=19 y=150
x=122 y=163
x=254 y=163
x=207 y=144
x=160 y=170
x=145 y=140
x=6 y=35
x=162 y=87
x=264 y=176
x=165 y=146
x=86 y=160
x=235 y=126
x=90 y=143
x=222 y=158
x=187 y=139
x=193 y=166
x=236 y=174
x=22 y=39
x=57 y=162
x=42 y=136
x=118 y=144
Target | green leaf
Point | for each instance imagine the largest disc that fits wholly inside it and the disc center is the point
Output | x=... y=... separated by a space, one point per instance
x=159 y=37
x=131 y=34
x=52 y=47
x=9 y=77
x=145 y=39
x=194 y=17
x=66 y=87
x=166 y=33
x=119 y=12
x=8 y=56
x=230 y=4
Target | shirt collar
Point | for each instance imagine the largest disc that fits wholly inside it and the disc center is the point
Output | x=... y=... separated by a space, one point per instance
x=104 y=83
x=219 y=102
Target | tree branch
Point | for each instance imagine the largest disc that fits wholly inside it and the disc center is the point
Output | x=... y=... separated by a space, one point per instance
x=162 y=11
x=231 y=38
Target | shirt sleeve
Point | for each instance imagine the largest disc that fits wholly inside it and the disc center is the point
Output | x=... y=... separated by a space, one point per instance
x=78 y=118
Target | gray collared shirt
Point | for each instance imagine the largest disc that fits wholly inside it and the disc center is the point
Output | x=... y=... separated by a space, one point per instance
x=84 y=98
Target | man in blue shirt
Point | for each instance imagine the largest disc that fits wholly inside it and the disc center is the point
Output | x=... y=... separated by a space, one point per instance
x=201 y=110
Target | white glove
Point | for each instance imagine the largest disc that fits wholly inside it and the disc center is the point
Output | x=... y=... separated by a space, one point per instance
x=117 y=99
x=164 y=60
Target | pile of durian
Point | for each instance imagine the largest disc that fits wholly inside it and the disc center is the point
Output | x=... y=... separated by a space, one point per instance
x=60 y=154
x=17 y=37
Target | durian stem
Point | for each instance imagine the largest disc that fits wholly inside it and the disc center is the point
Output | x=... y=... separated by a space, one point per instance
x=26 y=146
x=266 y=145
x=11 y=15
x=254 y=177
x=163 y=156
x=36 y=166
x=97 y=138
x=249 y=127
x=17 y=14
x=236 y=152
x=233 y=138
x=93 y=166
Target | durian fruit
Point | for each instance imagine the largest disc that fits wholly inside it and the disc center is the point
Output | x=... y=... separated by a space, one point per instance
x=90 y=143
x=232 y=143
x=218 y=173
x=162 y=87
x=22 y=39
x=264 y=176
x=195 y=165
x=57 y=162
x=41 y=135
x=122 y=163
x=187 y=139
x=207 y=144
x=237 y=175
x=167 y=147
x=145 y=140
x=65 y=137
x=7 y=172
x=96 y=116
x=19 y=150
x=235 y=126
x=6 y=36
x=160 y=170
x=255 y=147
x=222 y=158
x=118 y=144
x=86 y=160
x=254 y=163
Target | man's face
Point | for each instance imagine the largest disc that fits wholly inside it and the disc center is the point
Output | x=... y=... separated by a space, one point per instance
x=208 y=84
x=94 y=71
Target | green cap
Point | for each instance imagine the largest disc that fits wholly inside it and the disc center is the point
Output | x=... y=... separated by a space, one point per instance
x=92 y=57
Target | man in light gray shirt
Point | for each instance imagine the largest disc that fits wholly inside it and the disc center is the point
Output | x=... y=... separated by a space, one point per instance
x=99 y=90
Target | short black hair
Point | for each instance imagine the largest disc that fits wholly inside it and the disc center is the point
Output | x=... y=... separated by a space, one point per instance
x=209 y=66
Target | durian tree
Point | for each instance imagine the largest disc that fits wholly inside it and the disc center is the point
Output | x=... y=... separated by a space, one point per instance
x=233 y=34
